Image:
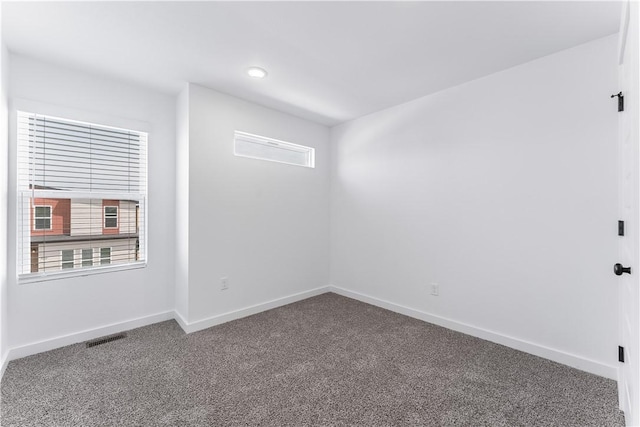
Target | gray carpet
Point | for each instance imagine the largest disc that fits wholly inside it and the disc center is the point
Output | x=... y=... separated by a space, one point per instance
x=328 y=360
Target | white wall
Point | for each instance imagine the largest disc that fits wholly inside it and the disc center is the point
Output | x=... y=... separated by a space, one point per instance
x=503 y=191
x=46 y=310
x=263 y=225
x=4 y=143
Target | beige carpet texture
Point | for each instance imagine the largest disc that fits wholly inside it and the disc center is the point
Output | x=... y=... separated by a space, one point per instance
x=327 y=360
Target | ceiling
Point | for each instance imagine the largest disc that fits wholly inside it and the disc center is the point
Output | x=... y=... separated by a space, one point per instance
x=327 y=61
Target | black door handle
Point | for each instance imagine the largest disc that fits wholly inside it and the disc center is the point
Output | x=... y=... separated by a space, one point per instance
x=618 y=269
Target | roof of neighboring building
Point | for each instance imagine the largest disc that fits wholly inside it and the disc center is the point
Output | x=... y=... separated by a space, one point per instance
x=42 y=187
x=83 y=238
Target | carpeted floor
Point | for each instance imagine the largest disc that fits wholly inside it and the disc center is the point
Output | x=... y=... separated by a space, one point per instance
x=328 y=360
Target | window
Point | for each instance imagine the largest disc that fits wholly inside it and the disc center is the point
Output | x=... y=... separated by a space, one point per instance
x=67 y=259
x=105 y=256
x=95 y=177
x=263 y=148
x=110 y=217
x=87 y=257
x=42 y=218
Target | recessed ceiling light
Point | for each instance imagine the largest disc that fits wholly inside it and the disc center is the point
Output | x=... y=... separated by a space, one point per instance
x=257 y=73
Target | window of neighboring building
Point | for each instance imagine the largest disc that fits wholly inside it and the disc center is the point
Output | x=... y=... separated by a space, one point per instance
x=105 y=256
x=110 y=217
x=96 y=178
x=87 y=257
x=273 y=150
x=42 y=217
x=67 y=258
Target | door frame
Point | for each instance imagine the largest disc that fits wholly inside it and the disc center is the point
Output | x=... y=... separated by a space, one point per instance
x=629 y=250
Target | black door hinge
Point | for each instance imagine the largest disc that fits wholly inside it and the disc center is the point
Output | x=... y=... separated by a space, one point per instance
x=620 y=228
x=620 y=354
x=620 y=100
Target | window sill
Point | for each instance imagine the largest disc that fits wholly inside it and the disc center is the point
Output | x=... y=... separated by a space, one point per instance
x=58 y=275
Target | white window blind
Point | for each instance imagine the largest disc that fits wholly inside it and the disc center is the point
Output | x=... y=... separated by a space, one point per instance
x=263 y=148
x=92 y=179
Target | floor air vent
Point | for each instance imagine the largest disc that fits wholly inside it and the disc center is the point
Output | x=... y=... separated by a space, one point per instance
x=104 y=340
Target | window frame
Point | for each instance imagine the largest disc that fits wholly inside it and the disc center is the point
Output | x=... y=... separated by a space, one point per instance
x=87 y=260
x=102 y=258
x=50 y=217
x=104 y=217
x=72 y=261
x=267 y=141
x=23 y=106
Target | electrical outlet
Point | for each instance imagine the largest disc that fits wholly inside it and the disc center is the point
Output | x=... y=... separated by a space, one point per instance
x=435 y=289
x=224 y=283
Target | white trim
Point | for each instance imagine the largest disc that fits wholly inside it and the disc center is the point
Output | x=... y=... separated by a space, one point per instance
x=624 y=30
x=181 y=321
x=78 y=272
x=199 y=325
x=89 y=334
x=3 y=364
x=555 y=355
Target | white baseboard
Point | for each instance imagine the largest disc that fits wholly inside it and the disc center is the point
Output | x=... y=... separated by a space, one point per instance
x=199 y=325
x=181 y=320
x=89 y=334
x=555 y=355
x=4 y=361
x=62 y=341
